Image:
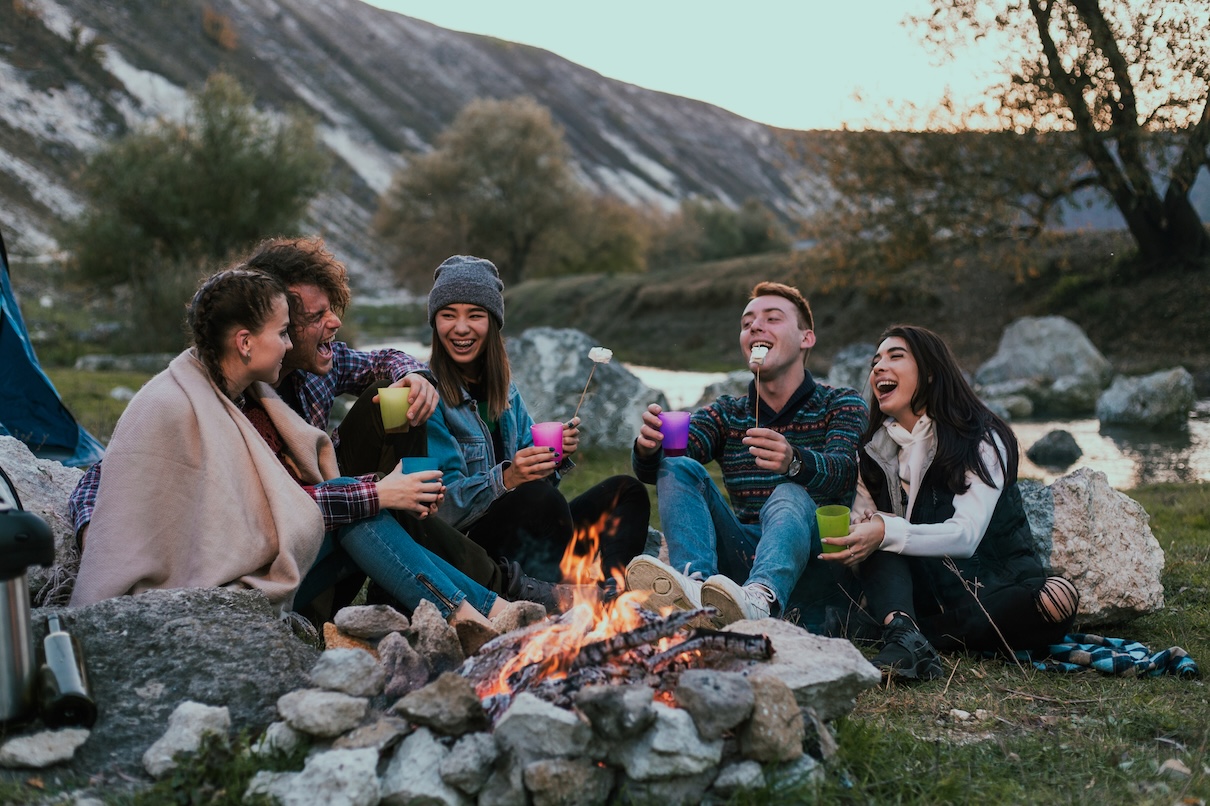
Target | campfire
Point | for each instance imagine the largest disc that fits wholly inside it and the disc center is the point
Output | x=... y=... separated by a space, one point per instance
x=601 y=642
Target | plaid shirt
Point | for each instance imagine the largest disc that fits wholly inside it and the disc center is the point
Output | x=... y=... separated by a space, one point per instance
x=312 y=396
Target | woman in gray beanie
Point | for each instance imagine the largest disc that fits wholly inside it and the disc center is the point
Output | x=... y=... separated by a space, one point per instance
x=501 y=489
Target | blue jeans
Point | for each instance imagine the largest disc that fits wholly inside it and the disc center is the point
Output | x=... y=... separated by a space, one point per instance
x=386 y=553
x=705 y=536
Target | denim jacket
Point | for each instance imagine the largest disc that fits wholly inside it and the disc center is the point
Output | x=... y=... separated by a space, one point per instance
x=462 y=445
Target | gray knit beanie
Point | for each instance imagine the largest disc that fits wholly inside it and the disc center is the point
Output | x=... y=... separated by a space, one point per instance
x=467 y=279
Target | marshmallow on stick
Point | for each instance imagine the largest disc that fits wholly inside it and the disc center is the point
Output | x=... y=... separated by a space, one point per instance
x=598 y=355
x=758 y=354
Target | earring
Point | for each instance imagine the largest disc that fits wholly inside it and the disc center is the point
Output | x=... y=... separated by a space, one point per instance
x=247 y=357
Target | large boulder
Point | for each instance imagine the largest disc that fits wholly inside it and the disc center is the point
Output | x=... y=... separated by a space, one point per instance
x=1049 y=360
x=550 y=366
x=735 y=384
x=1161 y=400
x=1057 y=449
x=1101 y=540
x=851 y=367
x=44 y=486
x=149 y=653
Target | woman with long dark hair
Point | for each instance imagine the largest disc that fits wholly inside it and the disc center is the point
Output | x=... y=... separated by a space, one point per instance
x=212 y=480
x=501 y=489
x=939 y=537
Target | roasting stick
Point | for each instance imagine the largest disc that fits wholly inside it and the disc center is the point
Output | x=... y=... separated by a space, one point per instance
x=758 y=357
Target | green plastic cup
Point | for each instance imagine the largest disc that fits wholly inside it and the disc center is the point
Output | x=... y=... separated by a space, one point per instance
x=393 y=402
x=833 y=522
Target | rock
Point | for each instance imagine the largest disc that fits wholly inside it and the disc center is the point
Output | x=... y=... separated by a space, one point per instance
x=826 y=674
x=533 y=729
x=279 y=737
x=1050 y=361
x=1176 y=769
x=671 y=748
x=851 y=367
x=717 y=701
x=744 y=776
x=795 y=774
x=333 y=778
x=776 y=730
x=186 y=727
x=335 y=639
x=1101 y=540
x=561 y=781
x=146 y=654
x=350 y=671
x=1057 y=449
x=681 y=790
x=384 y=733
x=735 y=384
x=42 y=749
x=617 y=712
x=1161 y=400
x=469 y=763
x=149 y=363
x=413 y=775
x=518 y=615
x=448 y=705
x=506 y=785
x=550 y=366
x=321 y=713
x=370 y=621
x=44 y=487
x=403 y=666
x=435 y=640
x=1011 y=407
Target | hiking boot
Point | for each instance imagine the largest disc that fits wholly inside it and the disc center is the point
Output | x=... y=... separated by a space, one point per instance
x=555 y=597
x=668 y=587
x=906 y=653
x=735 y=602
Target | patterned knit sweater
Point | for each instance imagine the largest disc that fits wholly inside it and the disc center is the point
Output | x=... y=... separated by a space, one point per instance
x=823 y=423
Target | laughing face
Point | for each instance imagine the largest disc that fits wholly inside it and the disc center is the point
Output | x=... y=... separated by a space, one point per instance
x=268 y=346
x=895 y=377
x=462 y=330
x=313 y=334
x=772 y=322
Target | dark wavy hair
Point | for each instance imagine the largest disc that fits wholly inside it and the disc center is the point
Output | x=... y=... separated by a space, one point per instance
x=961 y=421
x=233 y=298
x=494 y=371
x=303 y=261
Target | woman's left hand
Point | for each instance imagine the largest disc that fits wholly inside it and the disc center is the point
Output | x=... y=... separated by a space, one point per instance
x=571 y=436
x=862 y=540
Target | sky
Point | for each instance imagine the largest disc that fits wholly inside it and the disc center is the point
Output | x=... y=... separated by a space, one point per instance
x=791 y=63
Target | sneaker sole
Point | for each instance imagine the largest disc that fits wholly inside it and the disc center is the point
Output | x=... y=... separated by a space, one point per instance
x=662 y=590
x=728 y=609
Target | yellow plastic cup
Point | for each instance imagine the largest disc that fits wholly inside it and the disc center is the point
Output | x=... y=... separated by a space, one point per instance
x=833 y=522
x=393 y=402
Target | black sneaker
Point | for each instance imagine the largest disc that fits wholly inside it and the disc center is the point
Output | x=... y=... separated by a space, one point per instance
x=556 y=598
x=906 y=653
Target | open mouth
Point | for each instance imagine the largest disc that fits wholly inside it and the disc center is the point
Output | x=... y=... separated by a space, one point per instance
x=325 y=348
x=885 y=387
x=462 y=345
x=758 y=351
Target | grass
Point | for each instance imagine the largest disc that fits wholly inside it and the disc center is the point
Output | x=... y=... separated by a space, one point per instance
x=87 y=396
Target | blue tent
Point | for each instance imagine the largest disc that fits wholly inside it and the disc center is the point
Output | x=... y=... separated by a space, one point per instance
x=30 y=408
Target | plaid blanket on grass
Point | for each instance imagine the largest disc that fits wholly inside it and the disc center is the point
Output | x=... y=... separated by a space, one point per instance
x=1115 y=656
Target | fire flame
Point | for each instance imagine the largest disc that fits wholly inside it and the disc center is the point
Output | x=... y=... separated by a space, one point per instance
x=555 y=647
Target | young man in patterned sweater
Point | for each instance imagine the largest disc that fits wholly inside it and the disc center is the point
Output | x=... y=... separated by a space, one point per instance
x=786 y=448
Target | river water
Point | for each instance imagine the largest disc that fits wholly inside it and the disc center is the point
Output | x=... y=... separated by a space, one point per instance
x=1127 y=457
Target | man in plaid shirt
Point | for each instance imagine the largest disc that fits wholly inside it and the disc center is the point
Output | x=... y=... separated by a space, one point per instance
x=316 y=370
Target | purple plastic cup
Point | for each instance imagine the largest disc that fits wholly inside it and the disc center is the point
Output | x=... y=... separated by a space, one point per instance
x=675 y=427
x=549 y=435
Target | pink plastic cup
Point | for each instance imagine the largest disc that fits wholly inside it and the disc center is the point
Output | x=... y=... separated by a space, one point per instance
x=549 y=435
x=675 y=427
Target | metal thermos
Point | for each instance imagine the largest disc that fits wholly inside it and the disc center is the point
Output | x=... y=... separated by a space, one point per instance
x=25 y=540
x=65 y=699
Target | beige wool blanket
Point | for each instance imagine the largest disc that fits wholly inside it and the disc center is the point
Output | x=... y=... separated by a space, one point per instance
x=192 y=496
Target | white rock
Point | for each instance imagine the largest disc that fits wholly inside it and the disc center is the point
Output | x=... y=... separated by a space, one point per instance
x=42 y=749
x=332 y=778
x=671 y=747
x=469 y=763
x=744 y=776
x=1161 y=400
x=532 y=729
x=414 y=776
x=370 y=621
x=350 y=671
x=277 y=738
x=321 y=713
x=186 y=727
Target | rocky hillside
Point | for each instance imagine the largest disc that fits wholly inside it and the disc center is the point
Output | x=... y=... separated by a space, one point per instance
x=75 y=73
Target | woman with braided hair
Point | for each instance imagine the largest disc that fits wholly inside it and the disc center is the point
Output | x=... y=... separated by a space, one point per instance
x=212 y=480
x=939 y=537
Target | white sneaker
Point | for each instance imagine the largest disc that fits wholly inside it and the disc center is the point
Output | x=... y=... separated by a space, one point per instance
x=735 y=602
x=668 y=587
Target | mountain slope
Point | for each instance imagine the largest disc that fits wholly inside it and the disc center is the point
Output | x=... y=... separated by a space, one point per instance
x=75 y=73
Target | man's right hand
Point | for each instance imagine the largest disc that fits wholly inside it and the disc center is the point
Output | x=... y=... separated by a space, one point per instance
x=650 y=436
x=418 y=493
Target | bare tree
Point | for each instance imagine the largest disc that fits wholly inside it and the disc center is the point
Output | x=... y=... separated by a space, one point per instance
x=1129 y=80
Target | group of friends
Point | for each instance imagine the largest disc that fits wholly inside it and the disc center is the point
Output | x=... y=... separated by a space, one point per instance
x=221 y=473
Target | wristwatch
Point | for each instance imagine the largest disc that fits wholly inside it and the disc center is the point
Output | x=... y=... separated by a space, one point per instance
x=795 y=466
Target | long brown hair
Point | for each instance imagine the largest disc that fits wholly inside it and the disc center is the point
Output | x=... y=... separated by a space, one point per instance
x=960 y=419
x=232 y=298
x=494 y=371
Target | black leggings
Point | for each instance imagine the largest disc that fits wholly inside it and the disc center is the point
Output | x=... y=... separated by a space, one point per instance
x=893 y=582
x=534 y=523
